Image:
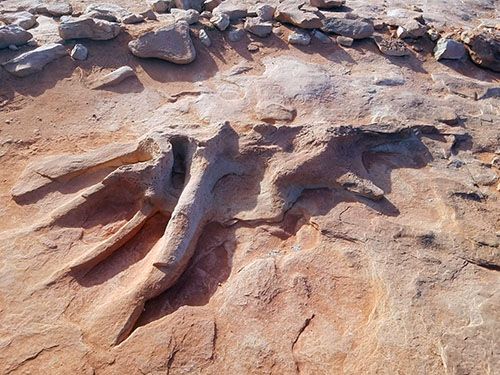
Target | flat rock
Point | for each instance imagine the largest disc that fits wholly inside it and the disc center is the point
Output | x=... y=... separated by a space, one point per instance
x=46 y=31
x=108 y=12
x=57 y=9
x=256 y=26
x=171 y=43
x=34 y=61
x=191 y=16
x=355 y=29
x=113 y=78
x=271 y=112
x=234 y=9
x=327 y=4
x=449 y=49
x=85 y=27
x=24 y=19
x=13 y=35
x=290 y=12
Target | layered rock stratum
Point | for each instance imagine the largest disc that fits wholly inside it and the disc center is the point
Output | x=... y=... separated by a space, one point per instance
x=249 y=187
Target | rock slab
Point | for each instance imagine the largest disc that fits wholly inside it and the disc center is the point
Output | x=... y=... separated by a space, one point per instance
x=34 y=61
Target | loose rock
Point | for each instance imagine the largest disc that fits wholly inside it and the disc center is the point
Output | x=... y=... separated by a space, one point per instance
x=484 y=47
x=161 y=6
x=355 y=29
x=204 y=38
x=189 y=4
x=449 y=49
x=132 y=19
x=34 y=61
x=220 y=21
x=265 y=12
x=79 y=52
x=327 y=4
x=84 y=27
x=299 y=38
x=234 y=9
x=345 y=41
x=13 y=35
x=171 y=43
x=24 y=19
x=411 y=29
x=191 y=16
x=258 y=27
x=113 y=78
x=55 y=9
x=108 y=12
x=322 y=37
x=289 y=12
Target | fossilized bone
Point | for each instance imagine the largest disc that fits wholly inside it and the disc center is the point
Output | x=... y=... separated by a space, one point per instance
x=180 y=173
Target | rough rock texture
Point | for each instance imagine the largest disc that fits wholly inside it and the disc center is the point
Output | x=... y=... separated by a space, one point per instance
x=34 y=61
x=484 y=47
x=24 y=19
x=312 y=210
x=449 y=49
x=355 y=29
x=13 y=35
x=171 y=43
x=86 y=27
x=289 y=12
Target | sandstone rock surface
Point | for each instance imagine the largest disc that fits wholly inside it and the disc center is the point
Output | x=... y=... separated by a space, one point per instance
x=34 y=61
x=87 y=27
x=13 y=35
x=171 y=43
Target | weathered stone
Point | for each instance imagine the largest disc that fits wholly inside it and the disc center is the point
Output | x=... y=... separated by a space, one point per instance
x=84 y=27
x=345 y=41
x=327 y=4
x=148 y=14
x=161 y=6
x=132 y=19
x=24 y=19
x=234 y=9
x=210 y=5
x=220 y=21
x=289 y=12
x=484 y=47
x=411 y=29
x=391 y=47
x=13 y=35
x=258 y=27
x=322 y=37
x=299 y=38
x=265 y=12
x=108 y=12
x=34 y=61
x=204 y=38
x=449 y=49
x=189 y=4
x=171 y=43
x=271 y=112
x=115 y=77
x=46 y=31
x=355 y=29
x=191 y=16
x=236 y=35
x=79 y=52
x=56 y=9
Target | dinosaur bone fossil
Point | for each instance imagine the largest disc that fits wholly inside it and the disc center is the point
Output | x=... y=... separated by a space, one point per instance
x=198 y=175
